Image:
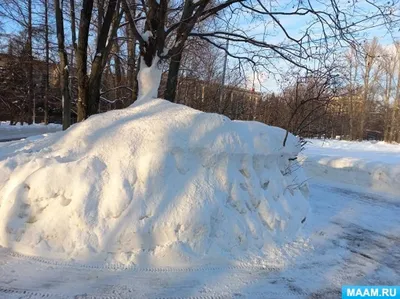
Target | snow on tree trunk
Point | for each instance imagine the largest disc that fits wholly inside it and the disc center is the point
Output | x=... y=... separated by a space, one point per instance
x=149 y=78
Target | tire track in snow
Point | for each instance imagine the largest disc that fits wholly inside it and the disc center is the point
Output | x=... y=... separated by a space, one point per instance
x=120 y=267
x=29 y=294
x=37 y=295
x=249 y=273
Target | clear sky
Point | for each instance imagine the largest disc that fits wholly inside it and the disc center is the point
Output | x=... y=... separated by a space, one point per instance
x=264 y=29
x=362 y=13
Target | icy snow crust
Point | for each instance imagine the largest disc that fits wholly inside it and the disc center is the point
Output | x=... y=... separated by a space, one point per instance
x=156 y=183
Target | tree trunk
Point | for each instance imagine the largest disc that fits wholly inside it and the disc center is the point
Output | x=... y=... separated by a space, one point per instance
x=388 y=88
x=364 y=99
x=103 y=49
x=94 y=96
x=135 y=86
x=172 y=81
x=371 y=55
x=118 y=77
x=393 y=122
x=132 y=69
x=100 y=10
x=66 y=102
x=81 y=59
x=46 y=91
x=74 y=46
x=30 y=67
x=351 y=120
x=73 y=27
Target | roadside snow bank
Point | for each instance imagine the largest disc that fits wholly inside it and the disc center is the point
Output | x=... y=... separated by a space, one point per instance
x=373 y=165
x=157 y=183
x=8 y=132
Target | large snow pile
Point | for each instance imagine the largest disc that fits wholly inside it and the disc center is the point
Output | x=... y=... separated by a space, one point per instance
x=157 y=183
x=19 y=131
x=374 y=165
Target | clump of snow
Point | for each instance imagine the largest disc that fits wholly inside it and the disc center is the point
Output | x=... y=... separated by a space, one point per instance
x=156 y=183
x=373 y=165
x=146 y=35
x=149 y=80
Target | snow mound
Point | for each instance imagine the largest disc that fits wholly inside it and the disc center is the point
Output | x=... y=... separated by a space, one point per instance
x=372 y=165
x=156 y=183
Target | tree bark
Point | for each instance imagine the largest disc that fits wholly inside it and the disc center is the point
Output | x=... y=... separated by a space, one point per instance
x=118 y=76
x=135 y=86
x=30 y=103
x=113 y=18
x=190 y=9
x=132 y=69
x=64 y=67
x=388 y=88
x=73 y=27
x=396 y=105
x=351 y=114
x=370 y=57
x=46 y=91
x=100 y=11
x=364 y=99
x=172 y=81
x=81 y=59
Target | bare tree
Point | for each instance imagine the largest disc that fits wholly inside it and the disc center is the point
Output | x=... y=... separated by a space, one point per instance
x=131 y=49
x=81 y=58
x=351 y=74
x=47 y=58
x=31 y=104
x=308 y=100
x=371 y=50
x=89 y=83
x=336 y=23
x=389 y=65
x=21 y=12
x=394 y=134
x=73 y=29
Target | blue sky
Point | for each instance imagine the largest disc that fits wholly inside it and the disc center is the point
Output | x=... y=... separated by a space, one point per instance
x=263 y=28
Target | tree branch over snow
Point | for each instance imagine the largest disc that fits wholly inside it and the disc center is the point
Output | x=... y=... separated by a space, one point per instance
x=171 y=24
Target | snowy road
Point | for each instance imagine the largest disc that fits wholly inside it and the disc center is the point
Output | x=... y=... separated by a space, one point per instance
x=351 y=238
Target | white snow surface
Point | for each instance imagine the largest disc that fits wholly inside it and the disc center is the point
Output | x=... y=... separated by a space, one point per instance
x=149 y=80
x=154 y=184
x=368 y=164
x=146 y=35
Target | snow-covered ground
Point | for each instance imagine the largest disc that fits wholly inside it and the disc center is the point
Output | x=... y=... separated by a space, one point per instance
x=374 y=166
x=19 y=131
x=351 y=238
